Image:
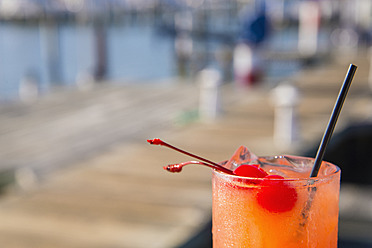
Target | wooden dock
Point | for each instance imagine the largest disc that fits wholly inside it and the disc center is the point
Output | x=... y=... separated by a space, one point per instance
x=99 y=184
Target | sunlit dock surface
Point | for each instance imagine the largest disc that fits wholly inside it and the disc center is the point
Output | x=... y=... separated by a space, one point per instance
x=95 y=182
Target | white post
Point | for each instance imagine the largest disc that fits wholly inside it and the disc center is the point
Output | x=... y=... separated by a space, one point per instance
x=209 y=102
x=309 y=18
x=285 y=98
x=244 y=64
x=29 y=88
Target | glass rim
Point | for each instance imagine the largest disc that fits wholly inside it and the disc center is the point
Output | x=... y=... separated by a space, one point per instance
x=335 y=171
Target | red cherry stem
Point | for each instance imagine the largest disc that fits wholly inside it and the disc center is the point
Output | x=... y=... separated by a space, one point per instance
x=178 y=167
x=207 y=162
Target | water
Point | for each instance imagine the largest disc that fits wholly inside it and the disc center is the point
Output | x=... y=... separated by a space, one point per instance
x=64 y=54
x=17 y=58
x=133 y=53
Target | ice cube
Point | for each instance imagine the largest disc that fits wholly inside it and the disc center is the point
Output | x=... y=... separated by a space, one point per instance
x=241 y=156
x=287 y=166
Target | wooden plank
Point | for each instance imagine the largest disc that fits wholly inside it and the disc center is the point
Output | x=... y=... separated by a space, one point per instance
x=84 y=233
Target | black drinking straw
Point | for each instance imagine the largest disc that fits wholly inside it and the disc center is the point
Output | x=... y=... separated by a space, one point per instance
x=333 y=119
x=324 y=142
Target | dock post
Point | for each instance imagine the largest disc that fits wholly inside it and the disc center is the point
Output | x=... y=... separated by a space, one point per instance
x=51 y=51
x=246 y=65
x=183 y=47
x=100 y=69
x=209 y=101
x=29 y=88
x=309 y=19
x=370 y=69
x=285 y=97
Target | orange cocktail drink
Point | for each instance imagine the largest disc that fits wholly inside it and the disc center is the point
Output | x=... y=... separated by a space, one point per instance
x=290 y=210
x=271 y=202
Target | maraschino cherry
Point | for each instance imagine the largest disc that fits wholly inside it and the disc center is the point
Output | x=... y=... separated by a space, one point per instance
x=250 y=170
x=276 y=195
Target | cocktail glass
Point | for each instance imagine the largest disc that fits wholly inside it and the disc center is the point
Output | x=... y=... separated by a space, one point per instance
x=296 y=211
